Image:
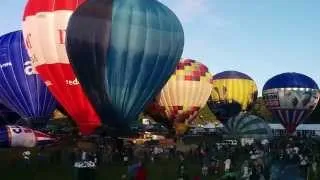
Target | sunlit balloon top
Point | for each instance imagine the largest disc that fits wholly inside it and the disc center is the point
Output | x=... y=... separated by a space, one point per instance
x=231 y=75
x=290 y=80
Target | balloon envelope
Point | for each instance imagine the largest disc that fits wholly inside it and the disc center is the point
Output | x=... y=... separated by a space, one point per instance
x=247 y=126
x=291 y=97
x=123 y=55
x=21 y=90
x=18 y=136
x=186 y=92
x=44 y=28
x=232 y=93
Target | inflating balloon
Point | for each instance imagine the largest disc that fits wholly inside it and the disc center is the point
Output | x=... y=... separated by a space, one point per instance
x=247 y=126
x=291 y=97
x=232 y=93
x=21 y=89
x=44 y=28
x=181 y=99
x=18 y=136
x=123 y=52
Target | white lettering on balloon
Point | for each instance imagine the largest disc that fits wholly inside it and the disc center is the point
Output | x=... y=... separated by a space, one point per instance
x=28 y=69
x=48 y=83
x=74 y=82
x=5 y=65
x=85 y=164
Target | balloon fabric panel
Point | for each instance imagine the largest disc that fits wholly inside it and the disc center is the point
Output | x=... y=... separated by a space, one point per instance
x=44 y=28
x=129 y=49
x=291 y=106
x=21 y=89
x=234 y=90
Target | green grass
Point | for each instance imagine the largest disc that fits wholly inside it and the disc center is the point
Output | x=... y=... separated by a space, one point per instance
x=12 y=167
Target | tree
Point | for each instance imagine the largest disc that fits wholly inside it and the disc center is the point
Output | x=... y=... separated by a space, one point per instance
x=205 y=115
x=260 y=109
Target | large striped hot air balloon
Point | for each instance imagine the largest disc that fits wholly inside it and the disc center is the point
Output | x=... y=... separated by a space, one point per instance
x=247 y=126
x=232 y=93
x=181 y=99
x=123 y=52
x=291 y=97
x=44 y=29
x=21 y=89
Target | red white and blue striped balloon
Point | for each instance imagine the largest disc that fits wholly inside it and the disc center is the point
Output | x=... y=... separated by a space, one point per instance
x=291 y=97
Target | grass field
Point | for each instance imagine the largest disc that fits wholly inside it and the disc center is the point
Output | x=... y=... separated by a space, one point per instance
x=58 y=165
x=39 y=170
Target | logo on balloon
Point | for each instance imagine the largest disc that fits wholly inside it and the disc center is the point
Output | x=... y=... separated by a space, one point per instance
x=5 y=65
x=74 y=82
x=28 y=69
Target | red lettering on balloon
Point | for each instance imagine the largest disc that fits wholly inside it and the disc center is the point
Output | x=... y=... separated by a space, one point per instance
x=28 y=43
x=62 y=36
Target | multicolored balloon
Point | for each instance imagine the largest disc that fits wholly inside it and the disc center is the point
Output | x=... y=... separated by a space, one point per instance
x=44 y=29
x=247 y=126
x=124 y=54
x=232 y=93
x=21 y=90
x=18 y=136
x=291 y=97
x=181 y=99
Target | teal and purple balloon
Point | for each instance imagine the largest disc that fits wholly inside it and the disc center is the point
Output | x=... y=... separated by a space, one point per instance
x=123 y=52
x=21 y=89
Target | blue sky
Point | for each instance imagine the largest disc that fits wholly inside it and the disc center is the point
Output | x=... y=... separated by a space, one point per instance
x=260 y=38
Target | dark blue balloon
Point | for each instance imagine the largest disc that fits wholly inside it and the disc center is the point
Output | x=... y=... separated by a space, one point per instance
x=21 y=90
x=123 y=52
x=290 y=80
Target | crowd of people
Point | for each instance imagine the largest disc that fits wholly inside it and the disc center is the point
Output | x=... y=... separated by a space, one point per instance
x=261 y=160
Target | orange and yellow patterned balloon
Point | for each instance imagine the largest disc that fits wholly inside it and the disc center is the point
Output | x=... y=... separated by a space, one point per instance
x=185 y=93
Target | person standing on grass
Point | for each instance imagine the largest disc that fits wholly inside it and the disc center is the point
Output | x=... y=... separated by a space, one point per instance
x=141 y=173
x=26 y=156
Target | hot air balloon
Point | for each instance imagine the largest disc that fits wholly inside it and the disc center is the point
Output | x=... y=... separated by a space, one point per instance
x=247 y=126
x=123 y=55
x=18 y=136
x=291 y=97
x=44 y=29
x=232 y=93
x=21 y=90
x=181 y=99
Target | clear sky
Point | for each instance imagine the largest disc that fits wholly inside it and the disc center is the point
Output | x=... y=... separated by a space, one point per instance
x=260 y=38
